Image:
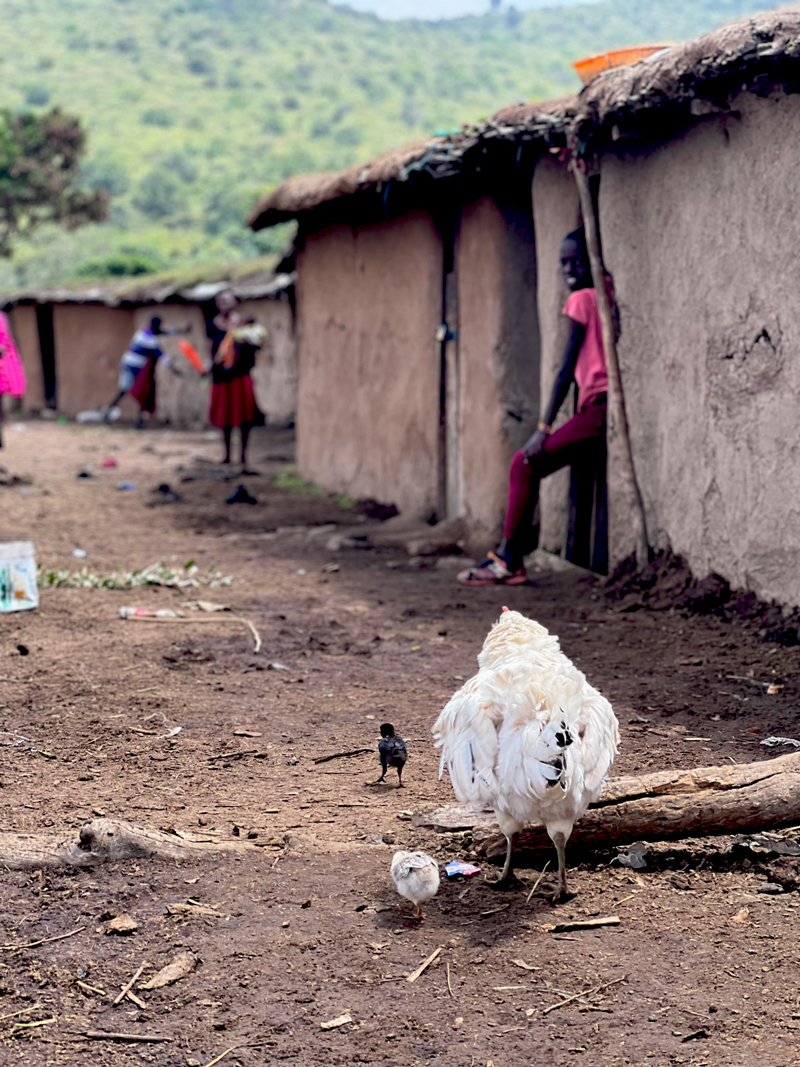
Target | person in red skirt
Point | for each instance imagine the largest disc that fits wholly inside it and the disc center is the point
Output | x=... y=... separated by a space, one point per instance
x=233 y=354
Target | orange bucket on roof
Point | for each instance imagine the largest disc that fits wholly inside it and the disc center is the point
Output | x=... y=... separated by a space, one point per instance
x=588 y=69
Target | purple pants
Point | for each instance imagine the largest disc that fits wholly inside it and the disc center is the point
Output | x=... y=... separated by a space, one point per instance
x=567 y=445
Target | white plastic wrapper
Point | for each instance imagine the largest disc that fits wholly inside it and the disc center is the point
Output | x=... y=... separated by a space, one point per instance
x=18 y=589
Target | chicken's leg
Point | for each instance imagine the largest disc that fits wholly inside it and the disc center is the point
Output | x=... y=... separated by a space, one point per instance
x=507 y=879
x=561 y=892
x=419 y=916
x=400 y=777
x=384 y=769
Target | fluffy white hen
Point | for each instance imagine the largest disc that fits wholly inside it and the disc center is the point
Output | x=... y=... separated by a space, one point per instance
x=527 y=736
x=416 y=876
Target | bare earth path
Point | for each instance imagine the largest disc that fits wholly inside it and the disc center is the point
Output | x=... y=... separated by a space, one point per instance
x=305 y=926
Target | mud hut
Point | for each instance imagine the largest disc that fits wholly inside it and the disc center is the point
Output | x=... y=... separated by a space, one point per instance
x=71 y=341
x=689 y=152
x=418 y=322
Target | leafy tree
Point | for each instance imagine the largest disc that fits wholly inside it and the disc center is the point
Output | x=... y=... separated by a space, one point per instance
x=160 y=194
x=39 y=169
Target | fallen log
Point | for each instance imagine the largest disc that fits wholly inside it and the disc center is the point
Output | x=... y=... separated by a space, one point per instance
x=742 y=798
x=102 y=840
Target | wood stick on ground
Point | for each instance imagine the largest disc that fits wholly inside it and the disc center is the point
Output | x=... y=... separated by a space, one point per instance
x=24 y=1011
x=127 y=988
x=90 y=988
x=620 y=454
x=449 y=987
x=113 y=1035
x=583 y=993
x=666 y=805
x=44 y=940
x=222 y=1055
x=581 y=924
x=536 y=883
x=423 y=966
x=343 y=755
x=31 y=1026
x=217 y=617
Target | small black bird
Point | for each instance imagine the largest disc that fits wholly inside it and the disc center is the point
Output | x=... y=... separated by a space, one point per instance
x=393 y=753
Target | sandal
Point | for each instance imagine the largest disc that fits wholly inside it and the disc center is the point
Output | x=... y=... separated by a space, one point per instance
x=492 y=571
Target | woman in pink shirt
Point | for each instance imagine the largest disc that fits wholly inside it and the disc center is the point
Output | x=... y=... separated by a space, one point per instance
x=548 y=450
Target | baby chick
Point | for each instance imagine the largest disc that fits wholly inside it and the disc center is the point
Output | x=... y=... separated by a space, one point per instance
x=416 y=876
x=393 y=753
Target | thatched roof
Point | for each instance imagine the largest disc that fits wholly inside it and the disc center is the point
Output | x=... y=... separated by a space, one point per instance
x=698 y=77
x=693 y=79
x=247 y=281
x=438 y=156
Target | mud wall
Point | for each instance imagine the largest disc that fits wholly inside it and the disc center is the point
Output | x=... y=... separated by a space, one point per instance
x=180 y=401
x=498 y=353
x=275 y=372
x=556 y=212
x=89 y=341
x=22 y=320
x=701 y=236
x=369 y=301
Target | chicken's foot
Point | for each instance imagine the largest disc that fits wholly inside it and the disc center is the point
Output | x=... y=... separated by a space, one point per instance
x=507 y=880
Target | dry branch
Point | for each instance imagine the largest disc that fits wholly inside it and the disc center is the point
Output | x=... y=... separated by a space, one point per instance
x=423 y=966
x=342 y=755
x=112 y=1035
x=741 y=798
x=101 y=840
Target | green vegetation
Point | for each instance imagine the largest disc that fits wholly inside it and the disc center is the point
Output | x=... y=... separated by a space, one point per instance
x=194 y=107
x=39 y=166
x=291 y=481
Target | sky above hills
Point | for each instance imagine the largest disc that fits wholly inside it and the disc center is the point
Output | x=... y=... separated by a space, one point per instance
x=448 y=9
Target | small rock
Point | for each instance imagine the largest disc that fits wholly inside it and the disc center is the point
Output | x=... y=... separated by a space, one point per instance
x=361 y=907
x=770 y=887
x=123 y=924
x=388 y=839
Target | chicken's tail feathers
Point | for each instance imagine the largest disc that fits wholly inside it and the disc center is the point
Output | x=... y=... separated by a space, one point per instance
x=548 y=761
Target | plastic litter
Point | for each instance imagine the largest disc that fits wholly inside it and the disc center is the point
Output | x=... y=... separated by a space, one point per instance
x=109 y=461
x=162 y=613
x=79 y=553
x=771 y=741
x=455 y=867
x=125 y=485
x=635 y=858
x=18 y=587
x=88 y=416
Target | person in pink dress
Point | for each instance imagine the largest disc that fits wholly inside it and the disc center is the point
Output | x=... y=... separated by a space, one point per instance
x=549 y=450
x=12 y=372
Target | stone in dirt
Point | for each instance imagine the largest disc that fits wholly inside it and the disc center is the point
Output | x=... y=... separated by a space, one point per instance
x=123 y=924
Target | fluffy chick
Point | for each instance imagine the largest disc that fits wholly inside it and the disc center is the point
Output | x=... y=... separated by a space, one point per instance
x=416 y=876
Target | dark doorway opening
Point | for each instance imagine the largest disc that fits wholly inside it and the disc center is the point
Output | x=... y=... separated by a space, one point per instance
x=47 y=348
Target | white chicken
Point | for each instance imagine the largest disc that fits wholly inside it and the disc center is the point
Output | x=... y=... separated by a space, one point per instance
x=528 y=737
x=416 y=876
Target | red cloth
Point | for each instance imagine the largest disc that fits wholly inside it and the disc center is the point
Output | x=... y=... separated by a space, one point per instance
x=566 y=445
x=143 y=389
x=232 y=403
x=591 y=376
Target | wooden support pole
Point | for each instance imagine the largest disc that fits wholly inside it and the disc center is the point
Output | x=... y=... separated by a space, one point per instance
x=620 y=454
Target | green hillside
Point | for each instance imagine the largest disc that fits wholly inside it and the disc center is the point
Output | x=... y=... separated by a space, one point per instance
x=193 y=107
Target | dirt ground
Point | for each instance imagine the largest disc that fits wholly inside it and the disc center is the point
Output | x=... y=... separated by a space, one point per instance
x=308 y=924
